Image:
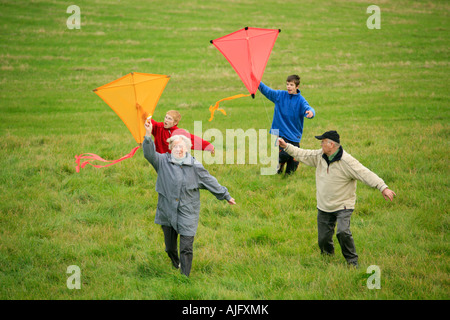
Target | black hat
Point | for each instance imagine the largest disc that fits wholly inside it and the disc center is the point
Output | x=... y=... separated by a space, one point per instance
x=332 y=135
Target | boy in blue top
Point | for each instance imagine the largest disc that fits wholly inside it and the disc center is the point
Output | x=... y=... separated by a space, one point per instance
x=290 y=110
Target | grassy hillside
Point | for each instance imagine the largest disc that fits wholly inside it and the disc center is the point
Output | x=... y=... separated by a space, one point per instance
x=384 y=90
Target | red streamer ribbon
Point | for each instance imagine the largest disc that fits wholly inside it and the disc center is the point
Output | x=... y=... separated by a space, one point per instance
x=91 y=156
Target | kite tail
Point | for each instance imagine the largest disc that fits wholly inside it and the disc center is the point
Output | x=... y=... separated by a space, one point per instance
x=213 y=109
x=91 y=156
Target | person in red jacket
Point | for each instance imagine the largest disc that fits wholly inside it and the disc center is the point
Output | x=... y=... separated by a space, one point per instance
x=164 y=130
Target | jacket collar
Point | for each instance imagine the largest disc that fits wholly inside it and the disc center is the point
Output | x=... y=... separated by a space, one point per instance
x=297 y=93
x=337 y=157
x=189 y=161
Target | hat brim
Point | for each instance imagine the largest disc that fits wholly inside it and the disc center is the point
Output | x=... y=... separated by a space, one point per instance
x=323 y=137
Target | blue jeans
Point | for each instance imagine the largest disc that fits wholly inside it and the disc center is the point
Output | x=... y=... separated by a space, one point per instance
x=326 y=223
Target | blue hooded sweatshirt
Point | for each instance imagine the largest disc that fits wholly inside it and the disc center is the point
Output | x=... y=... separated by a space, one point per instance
x=290 y=111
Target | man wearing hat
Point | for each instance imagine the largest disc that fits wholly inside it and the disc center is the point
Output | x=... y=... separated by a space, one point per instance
x=336 y=176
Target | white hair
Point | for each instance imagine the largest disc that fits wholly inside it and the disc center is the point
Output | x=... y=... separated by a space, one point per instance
x=186 y=140
x=336 y=144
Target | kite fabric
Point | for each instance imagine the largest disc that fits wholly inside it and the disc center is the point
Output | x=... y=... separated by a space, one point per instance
x=134 y=98
x=247 y=50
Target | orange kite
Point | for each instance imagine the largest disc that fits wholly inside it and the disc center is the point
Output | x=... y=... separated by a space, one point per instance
x=134 y=98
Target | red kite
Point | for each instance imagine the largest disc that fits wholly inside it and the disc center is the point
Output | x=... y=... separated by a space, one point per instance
x=134 y=98
x=247 y=50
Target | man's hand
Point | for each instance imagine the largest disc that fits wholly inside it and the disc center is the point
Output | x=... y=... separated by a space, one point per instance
x=231 y=201
x=309 y=114
x=388 y=194
x=282 y=143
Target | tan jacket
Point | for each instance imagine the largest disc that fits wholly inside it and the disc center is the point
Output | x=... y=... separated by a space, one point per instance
x=336 y=182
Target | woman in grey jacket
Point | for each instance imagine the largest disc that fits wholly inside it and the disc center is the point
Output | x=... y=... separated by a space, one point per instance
x=180 y=177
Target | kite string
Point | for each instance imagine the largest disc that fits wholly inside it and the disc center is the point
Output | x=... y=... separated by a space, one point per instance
x=265 y=108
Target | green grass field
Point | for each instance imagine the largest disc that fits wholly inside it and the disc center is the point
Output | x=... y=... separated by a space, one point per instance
x=386 y=91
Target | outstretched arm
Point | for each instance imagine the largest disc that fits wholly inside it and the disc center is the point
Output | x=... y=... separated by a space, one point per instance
x=269 y=93
x=200 y=144
x=149 y=147
x=309 y=111
x=207 y=181
x=308 y=157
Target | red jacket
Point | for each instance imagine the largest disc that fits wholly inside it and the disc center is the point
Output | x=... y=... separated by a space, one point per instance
x=161 y=135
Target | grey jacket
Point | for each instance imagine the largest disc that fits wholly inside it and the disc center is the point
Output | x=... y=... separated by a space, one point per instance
x=178 y=189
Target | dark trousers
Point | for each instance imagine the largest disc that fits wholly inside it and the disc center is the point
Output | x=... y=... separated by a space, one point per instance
x=284 y=159
x=186 y=249
x=326 y=222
